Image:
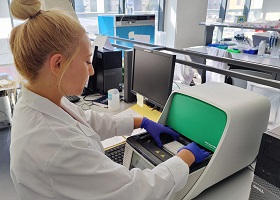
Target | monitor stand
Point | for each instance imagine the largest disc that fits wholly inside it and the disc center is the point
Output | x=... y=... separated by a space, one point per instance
x=153 y=106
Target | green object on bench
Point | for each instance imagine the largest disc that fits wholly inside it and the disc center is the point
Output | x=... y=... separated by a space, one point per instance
x=197 y=120
x=233 y=50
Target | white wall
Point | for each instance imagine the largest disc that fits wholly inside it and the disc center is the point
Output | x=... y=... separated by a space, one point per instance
x=182 y=18
x=271 y=6
x=170 y=23
x=5 y=21
x=271 y=9
x=4 y=11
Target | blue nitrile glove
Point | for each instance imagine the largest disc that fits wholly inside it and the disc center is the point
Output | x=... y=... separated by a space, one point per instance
x=155 y=129
x=199 y=154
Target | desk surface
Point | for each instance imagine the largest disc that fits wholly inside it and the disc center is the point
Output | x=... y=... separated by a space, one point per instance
x=84 y=104
x=242 y=56
x=237 y=186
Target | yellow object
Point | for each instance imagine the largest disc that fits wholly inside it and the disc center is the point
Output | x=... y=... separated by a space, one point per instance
x=240 y=19
x=146 y=111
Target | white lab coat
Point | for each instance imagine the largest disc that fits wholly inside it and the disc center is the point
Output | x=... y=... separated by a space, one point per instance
x=212 y=76
x=183 y=73
x=58 y=155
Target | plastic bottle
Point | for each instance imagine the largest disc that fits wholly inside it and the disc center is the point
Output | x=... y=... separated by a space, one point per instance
x=262 y=47
x=129 y=7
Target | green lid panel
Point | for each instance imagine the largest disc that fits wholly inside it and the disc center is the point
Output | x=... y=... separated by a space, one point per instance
x=199 y=121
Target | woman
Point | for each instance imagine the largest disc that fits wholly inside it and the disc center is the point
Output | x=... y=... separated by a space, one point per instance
x=56 y=152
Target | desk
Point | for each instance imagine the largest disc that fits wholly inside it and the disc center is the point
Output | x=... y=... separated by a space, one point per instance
x=95 y=107
x=131 y=108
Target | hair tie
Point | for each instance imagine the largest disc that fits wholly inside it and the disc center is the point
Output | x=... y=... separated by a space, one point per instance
x=33 y=17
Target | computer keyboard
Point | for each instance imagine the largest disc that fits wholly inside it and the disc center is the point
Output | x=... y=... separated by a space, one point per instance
x=116 y=153
x=72 y=98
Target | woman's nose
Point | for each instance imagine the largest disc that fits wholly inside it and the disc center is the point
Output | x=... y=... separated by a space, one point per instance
x=91 y=70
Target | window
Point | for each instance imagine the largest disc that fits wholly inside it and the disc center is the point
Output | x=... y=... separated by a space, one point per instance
x=212 y=14
x=264 y=10
x=255 y=11
x=88 y=10
x=234 y=8
x=147 y=7
x=213 y=10
x=238 y=2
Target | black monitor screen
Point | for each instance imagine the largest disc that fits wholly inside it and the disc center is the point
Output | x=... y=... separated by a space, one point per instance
x=152 y=75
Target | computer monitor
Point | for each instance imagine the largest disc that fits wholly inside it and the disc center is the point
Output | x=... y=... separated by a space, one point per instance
x=152 y=75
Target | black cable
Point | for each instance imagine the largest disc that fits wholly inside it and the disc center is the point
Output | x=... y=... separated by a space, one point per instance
x=87 y=104
x=92 y=102
x=155 y=108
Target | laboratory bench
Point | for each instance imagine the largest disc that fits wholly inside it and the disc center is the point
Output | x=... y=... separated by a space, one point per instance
x=210 y=26
x=264 y=60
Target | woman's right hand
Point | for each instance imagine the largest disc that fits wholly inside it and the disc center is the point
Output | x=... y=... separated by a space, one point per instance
x=192 y=153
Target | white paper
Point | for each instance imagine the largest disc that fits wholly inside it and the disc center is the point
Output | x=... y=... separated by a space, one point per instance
x=131 y=35
x=140 y=38
x=102 y=42
x=138 y=131
x=112 y=141
x=140 y=100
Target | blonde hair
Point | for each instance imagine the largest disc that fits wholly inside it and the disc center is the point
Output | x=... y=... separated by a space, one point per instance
x=42 y=34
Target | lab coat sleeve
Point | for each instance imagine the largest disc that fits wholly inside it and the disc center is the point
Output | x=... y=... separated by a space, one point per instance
x=78 y=171
x=107 y=125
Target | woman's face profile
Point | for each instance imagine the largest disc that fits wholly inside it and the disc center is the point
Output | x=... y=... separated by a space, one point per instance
x=76 y=75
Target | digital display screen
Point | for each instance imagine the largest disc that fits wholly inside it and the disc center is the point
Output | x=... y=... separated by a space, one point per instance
x=138 y=162
x=152 y=75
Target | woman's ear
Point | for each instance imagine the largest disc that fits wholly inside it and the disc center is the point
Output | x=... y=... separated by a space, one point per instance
x=55 y=64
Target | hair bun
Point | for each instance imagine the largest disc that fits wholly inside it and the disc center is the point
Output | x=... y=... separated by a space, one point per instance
x=24 y=9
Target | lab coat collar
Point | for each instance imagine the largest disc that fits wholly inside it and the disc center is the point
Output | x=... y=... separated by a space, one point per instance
x=72 y=110
x=44 y=105
x=69 y=113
